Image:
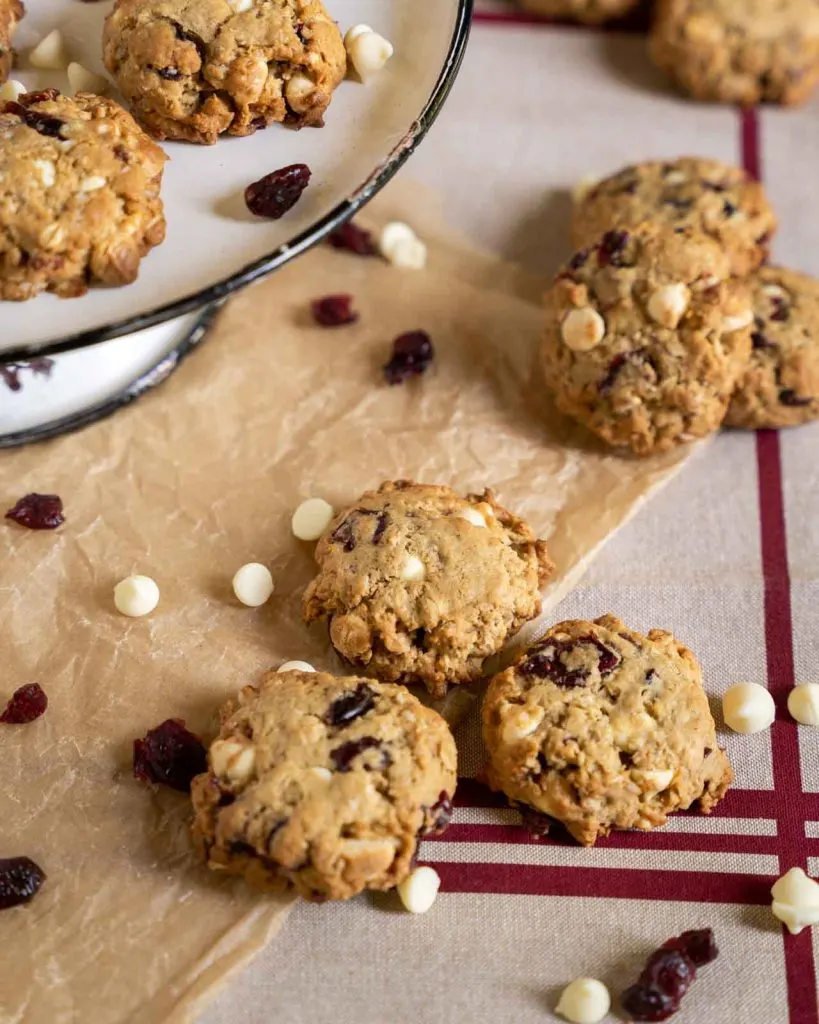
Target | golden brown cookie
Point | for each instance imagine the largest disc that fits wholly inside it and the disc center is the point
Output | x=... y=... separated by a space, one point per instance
x=590 y=12
x=79 y=194
x=421 y=585
x=646 y=336
x=739 y=51
x=325 y=784
x=601 y=727
x=197 y=70
x=722 y=201
x=11 y=11
x=780 y=387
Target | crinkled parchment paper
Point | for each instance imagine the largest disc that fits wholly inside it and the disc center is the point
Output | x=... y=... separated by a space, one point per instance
x=186 y=486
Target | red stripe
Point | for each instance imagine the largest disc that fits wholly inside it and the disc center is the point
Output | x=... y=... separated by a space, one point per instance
x=515 y=835
x=800 y=968
x=604 y=883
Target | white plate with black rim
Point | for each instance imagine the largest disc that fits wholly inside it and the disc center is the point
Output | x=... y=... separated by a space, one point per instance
x=213 y=244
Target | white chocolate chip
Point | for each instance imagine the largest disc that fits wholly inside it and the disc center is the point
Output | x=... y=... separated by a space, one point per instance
x=667 y=305
x=232 y=760
x=737 y=322
x=748 y=707
x=796 y=900
x=653 y=781
x=322 y=773
x=582 y=329
x=82 y=80
x=803 y=703
x=582 y=188
x=419 y=889
x=136 y=596
x=471 y=515
x=311 y=519
x=354 y=33
x=46 y=171
x=584 y=1001
x=11 y=91
x=368 y=52
x=50 y=53
x=705 y=282
x=382 y=851
x=240 y=6
x=522 y=722
x=298 y=91
x=774 y=291
x=413 y=568
x=52 y=236
x=401 y=247
x=253 y=584
x=675 y=178
x=92 y=183
x=296 y=666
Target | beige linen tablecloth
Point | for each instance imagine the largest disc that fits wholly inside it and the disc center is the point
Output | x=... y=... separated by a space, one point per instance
x=727 y=557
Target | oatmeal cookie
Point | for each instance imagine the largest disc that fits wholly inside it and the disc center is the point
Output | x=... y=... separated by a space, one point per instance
x=601 y=727
x=324 y=784
x=780 y=387
x=197 y=69
x=739 y=51
x=722 y=201
x=11 y=11
x=590 y=12
x=420 y=585
x=79 y=194
x=646 y=336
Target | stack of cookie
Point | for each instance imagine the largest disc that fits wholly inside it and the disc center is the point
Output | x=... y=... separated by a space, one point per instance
x=328 y=784
x=728 y=51
x=666 y=324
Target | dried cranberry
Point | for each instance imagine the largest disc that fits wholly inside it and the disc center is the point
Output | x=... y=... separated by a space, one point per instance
x=610 y=248
x=789 y=397
x=671 y=970
x=579 y=259
x=760 y=341
x=40 y=123
x=20 y=881
x=546 y=662
x=26 y=704
x=169 y=755
x=351 y=705
x=38 y=512
x=276 y=193
x=343 y=755
x=10 y=372
x=698 y=944
x=344 y=533
x=535 y=822
x=647 y=1003
x=728 y=208
x=780 y=311
x=613 y=371
x=442 y=809
x=411 y=355
x=334 y=311
x=351 y=237
x=380 y=526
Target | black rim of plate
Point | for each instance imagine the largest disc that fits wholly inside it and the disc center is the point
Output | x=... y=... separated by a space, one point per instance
x=296 y=246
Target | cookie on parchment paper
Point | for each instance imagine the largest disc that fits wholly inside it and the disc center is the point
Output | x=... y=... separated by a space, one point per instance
x=421 y=586
x=739 y=51
x=600 y=727
x=325 y=784
x=195 y=71
x=646 y=337
x=720 y=200
x=780 y=387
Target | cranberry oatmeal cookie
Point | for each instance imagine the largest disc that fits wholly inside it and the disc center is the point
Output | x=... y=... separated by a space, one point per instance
x=324 y=784
x=196 y=69
x=739 y=51
x=722 y=201
x=646 y=336
x=780 y=387
x=79 y=194
x=420 y=585
x=600 y=727
x=591 y=12
x=11 y=11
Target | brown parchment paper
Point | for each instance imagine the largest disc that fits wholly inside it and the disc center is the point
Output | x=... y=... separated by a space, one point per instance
x=187 y=485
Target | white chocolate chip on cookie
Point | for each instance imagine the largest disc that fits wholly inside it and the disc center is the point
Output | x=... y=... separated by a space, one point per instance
x=582 y=329
x=296 y=666
x=471 y=515
x=667 y=305
x=413 y=568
